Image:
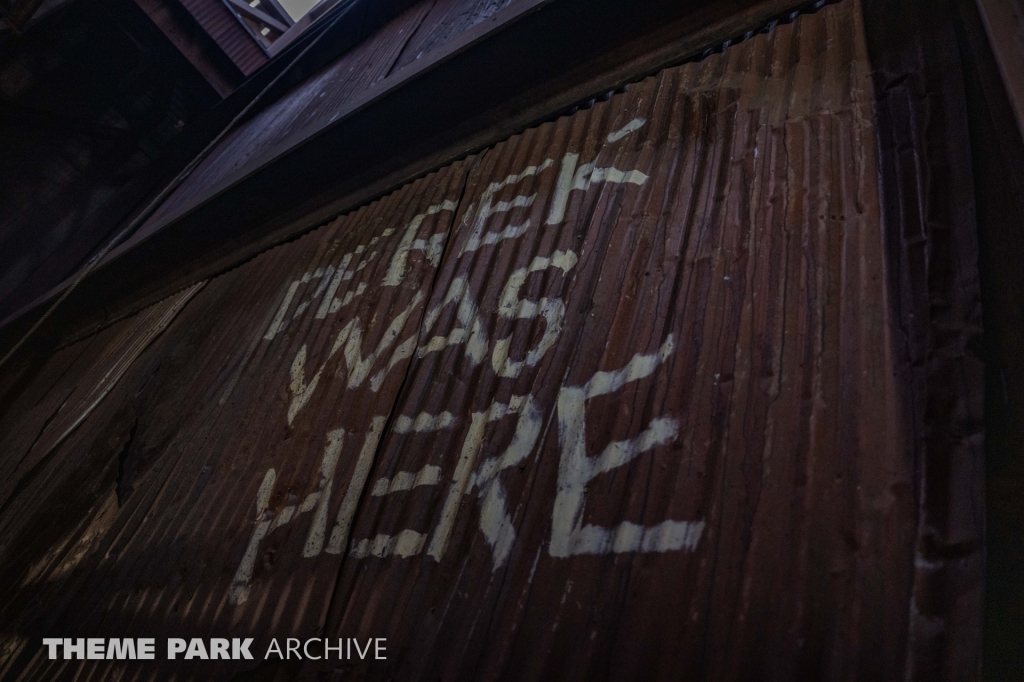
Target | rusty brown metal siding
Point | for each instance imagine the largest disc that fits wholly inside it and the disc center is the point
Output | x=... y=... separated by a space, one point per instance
x=217 y=20
x=615 y=399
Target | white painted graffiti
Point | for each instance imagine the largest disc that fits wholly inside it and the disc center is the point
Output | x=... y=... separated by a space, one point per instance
x=467 y=328
x=568 y=534
x=319 y=499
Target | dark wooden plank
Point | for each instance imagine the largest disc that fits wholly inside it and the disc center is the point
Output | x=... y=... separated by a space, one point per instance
x=997 y=156
x=929 y=210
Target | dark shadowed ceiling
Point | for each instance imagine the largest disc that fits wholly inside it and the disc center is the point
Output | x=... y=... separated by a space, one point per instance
x=91 y=95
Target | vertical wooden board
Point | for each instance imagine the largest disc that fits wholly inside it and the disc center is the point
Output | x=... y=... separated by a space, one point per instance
x=929 y=208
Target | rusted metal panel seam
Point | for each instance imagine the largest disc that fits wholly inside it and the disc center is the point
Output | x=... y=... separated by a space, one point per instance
x=389 y=423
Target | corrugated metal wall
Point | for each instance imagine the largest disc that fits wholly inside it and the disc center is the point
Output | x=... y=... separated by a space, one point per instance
x=614 y=399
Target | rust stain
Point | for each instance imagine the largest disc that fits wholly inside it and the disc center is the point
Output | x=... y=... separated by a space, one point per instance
x=614 y=399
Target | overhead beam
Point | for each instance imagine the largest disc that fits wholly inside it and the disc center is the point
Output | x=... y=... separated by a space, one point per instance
x=513 y=70
x=258 y=15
